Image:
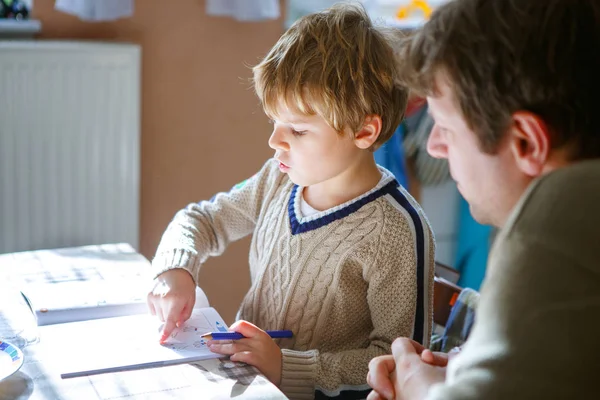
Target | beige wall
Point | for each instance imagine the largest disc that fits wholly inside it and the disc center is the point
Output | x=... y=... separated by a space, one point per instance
x=202 y=127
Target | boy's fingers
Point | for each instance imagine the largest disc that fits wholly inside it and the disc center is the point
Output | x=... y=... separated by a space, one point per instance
x=244 y=356
x=171 y=318
x=246 y=328
x=151 y=307
x=186 y=313
x=168 y=327
x=228 y=347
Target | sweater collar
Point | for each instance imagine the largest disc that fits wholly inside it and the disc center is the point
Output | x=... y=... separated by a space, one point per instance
x=300 y=224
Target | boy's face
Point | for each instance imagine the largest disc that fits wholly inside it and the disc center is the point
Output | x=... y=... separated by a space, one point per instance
x=309 y=150
x=490 y=183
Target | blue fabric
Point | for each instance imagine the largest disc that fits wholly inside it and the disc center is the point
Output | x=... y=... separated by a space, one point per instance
x=391 y=156
x=459 y=324
x=472 y=249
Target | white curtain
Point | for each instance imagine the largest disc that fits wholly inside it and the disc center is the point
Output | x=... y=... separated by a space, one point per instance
x=96 y=10
x=244 y=10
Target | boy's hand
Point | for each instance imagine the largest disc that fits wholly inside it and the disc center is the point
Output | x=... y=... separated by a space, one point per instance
x=257 y=349
x=172 y=299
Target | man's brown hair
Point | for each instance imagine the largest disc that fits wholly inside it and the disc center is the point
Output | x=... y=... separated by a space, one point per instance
x=336 y=64
x=502 y=56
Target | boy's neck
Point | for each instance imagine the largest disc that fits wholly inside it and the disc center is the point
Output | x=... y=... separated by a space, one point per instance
x=354 y=182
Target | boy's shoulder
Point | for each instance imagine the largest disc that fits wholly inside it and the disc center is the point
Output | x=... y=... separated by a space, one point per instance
x=400 y=203
x=394 y=215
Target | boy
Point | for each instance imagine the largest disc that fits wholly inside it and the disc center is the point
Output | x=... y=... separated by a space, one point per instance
x=340 y=253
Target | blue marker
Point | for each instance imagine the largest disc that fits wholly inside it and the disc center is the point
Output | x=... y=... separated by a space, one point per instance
x=237 y=335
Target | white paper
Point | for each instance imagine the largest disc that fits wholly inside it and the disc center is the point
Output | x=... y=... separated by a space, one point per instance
x=127 y=343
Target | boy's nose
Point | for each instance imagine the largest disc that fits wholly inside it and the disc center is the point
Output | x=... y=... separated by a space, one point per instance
x=277 y=140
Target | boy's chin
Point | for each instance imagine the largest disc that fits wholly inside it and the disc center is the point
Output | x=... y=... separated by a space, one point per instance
x=298 y=181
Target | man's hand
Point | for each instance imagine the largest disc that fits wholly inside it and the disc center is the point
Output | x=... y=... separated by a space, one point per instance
x=172 y=299
x=379 y=378
x=257 y=349
x=404 y=374
x=437 y=358
x=413 y=377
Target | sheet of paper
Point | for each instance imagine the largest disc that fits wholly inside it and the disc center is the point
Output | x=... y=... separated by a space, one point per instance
x=83 y=283
x=127 y=343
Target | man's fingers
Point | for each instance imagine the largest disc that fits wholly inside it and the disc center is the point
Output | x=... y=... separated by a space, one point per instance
x=378 y=378
x=404 y=346
x=374 y=396
x=434 y=358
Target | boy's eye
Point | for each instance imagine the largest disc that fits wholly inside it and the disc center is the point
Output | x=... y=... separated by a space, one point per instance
x=298 y=133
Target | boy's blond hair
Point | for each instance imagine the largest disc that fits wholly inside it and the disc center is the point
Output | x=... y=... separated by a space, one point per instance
x=336 y=64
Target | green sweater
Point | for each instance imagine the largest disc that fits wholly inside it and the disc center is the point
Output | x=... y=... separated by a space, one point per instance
x=538 y=318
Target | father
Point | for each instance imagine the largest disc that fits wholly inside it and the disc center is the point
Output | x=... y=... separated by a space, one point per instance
x=514 y=88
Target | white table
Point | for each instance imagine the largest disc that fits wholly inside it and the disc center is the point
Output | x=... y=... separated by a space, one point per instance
x=209 y=379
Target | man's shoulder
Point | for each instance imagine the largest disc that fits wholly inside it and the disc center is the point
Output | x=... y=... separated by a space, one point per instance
x=567 y=194
x=560 y=211
x=568 y=183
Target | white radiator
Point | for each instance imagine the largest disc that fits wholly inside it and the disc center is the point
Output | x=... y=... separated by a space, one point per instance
x=69 y=144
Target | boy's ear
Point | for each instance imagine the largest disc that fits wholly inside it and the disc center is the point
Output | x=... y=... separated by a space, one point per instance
x=369 y=132
x=529 y=142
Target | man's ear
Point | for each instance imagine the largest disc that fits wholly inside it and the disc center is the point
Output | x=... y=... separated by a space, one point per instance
x=369 y=132
x=529 y=142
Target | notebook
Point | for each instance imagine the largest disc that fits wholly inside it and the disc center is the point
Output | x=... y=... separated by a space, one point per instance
x=127 y=343
x=87 y=282
x=90 y=305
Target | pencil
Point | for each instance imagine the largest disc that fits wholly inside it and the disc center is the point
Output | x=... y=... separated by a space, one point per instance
x=237 y=335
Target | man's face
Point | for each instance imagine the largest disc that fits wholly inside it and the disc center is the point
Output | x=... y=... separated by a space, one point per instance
x=490 y=183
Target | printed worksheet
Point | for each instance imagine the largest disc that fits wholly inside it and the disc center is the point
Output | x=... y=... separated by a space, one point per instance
x=127 y=343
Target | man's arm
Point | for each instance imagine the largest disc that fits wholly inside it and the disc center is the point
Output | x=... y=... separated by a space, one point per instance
x=536 y=314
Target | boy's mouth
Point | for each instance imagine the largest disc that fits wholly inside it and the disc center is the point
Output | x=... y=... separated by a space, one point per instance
x=283 y=167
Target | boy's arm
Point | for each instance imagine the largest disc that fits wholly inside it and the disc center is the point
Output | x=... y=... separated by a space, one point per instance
x=205 y=229
x=392 y=299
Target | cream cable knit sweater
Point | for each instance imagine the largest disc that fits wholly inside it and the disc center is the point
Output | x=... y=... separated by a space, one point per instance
x=346 y=281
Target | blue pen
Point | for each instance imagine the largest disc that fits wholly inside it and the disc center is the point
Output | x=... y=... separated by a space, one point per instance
x=237 y=335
